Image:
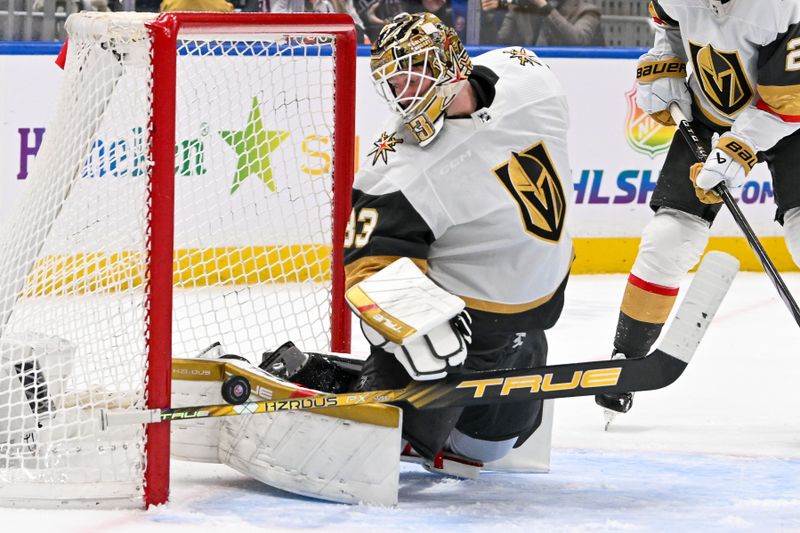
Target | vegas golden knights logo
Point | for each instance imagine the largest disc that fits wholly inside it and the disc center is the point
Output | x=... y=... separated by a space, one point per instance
x=722 y=78
x=531 y=178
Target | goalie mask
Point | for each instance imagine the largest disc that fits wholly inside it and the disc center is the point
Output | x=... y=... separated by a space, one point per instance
x=720 y=7
x=418 y=66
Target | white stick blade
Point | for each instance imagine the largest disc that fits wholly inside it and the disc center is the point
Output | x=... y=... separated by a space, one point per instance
x=699 y=305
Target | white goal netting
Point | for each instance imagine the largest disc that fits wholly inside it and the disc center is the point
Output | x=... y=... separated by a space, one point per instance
x=254 y=125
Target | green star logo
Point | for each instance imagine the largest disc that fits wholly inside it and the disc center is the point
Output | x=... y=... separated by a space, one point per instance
x=254 y=145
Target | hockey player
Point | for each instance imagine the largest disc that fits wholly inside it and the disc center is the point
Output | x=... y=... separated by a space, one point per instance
x=743 y=99
x=469 y=184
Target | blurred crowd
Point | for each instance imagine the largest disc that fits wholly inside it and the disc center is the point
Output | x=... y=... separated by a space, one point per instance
x=516 y=22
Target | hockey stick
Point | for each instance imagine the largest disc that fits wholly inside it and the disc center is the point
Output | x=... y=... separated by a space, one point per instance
x=769 y=267
x=654 y=371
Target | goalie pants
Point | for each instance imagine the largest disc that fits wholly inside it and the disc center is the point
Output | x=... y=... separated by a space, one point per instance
x=674 y=188
x=427 y=430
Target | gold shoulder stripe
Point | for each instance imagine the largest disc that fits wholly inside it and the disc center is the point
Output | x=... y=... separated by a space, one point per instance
x=783 y=99
x=362 y=268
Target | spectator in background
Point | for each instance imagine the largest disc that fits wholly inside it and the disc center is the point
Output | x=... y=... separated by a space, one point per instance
x=85 y=5
x=321 y=6
x=197 y=5
x=381 y=12
x=546 y=22
x=440 y=8
x=148 y=5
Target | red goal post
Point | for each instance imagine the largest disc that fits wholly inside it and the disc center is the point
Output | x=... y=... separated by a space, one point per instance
x=194 y=187
x=166 y=30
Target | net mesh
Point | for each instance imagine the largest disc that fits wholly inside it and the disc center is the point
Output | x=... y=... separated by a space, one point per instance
x=252 y=231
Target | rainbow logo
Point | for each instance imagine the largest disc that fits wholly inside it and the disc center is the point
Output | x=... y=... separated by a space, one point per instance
x=644 y=134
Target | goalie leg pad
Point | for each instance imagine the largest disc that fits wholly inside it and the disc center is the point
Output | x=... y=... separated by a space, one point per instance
x=318 y=456
x=347 y=455
x=426 y=430
x=531 y=453
x=479 y=449
x=33 y=373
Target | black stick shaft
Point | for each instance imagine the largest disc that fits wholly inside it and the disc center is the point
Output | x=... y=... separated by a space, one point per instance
x=769 y=267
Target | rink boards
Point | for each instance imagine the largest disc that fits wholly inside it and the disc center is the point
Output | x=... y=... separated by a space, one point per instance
x=616 y=151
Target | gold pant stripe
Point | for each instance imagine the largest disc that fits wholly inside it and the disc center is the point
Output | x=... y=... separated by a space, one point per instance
x=505 y=309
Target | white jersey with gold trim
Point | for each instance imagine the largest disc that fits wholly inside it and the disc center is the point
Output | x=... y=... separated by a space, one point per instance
x=744 y=64
x=483 y=206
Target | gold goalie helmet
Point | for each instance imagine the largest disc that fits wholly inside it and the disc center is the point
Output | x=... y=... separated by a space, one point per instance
x=418 y=66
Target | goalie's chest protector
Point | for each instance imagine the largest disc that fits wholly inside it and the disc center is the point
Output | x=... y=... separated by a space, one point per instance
x=494 y=189
x=726 y=53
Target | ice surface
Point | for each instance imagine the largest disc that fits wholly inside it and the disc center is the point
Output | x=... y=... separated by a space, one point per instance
x=717 y=451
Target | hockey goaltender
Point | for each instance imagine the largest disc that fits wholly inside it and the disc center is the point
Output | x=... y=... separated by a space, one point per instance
x=457 y=258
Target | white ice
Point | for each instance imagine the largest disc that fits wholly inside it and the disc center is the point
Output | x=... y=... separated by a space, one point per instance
x=717 y=451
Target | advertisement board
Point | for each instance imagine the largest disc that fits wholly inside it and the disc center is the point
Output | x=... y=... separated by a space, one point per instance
x=616 y=152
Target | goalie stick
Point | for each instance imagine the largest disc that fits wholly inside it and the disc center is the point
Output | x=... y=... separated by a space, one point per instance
x=769 y=267
x=654 y=371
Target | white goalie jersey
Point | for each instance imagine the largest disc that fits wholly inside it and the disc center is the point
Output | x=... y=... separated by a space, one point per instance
x=481 y=209
x=744 y=62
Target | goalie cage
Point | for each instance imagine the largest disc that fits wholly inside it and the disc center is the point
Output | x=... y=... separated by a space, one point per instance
x=193 y=187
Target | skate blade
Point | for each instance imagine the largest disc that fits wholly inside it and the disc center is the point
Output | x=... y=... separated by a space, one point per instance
x=609 y=416
x=446 y=464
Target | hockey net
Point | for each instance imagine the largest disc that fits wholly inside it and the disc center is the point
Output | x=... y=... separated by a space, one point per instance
x=243 y=123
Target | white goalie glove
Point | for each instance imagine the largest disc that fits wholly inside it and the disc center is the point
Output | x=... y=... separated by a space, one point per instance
x=405 y=313
x=661 y=80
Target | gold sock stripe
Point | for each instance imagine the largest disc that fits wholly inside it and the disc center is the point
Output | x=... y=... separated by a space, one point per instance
x=646 y=306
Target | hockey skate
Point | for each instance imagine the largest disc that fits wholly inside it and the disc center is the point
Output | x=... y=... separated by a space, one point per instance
x=445 y=463
x=614 y=404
